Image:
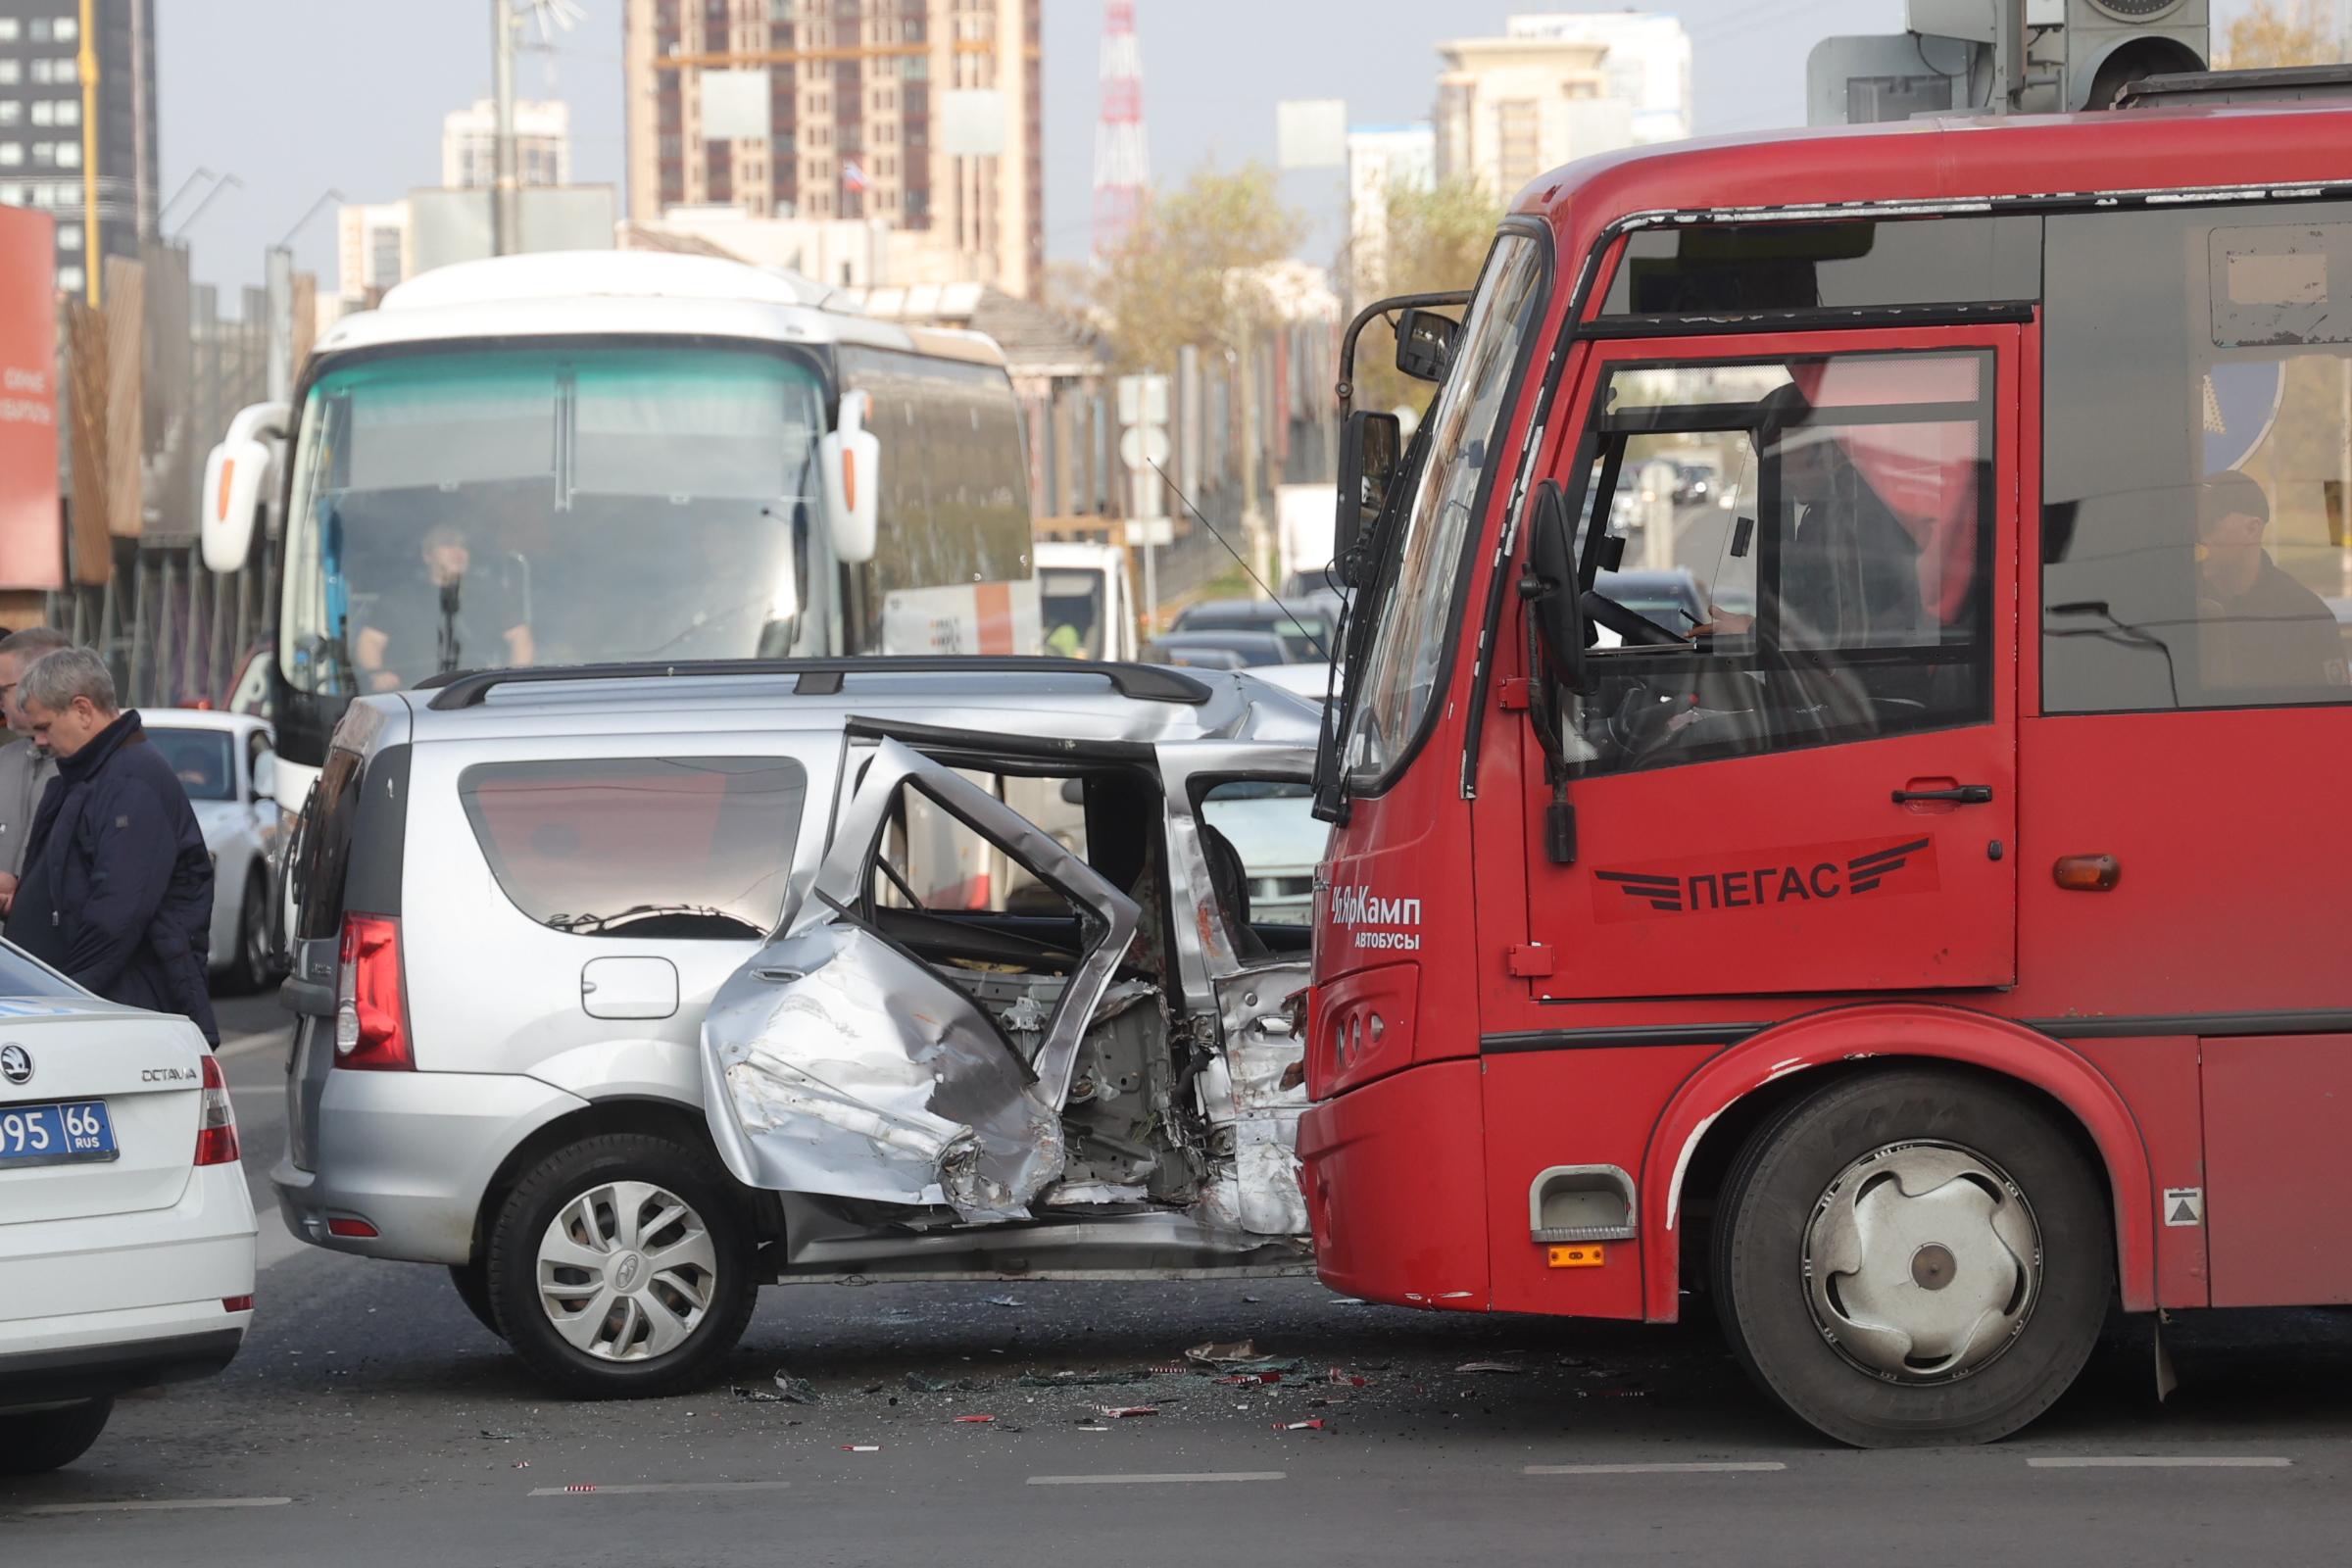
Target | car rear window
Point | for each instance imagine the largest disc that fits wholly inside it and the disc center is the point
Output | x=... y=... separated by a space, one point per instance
x=20 y=976
x=641 y=847
x=202 y=758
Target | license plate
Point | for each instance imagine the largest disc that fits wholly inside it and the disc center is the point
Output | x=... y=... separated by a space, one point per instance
x=54 y=1135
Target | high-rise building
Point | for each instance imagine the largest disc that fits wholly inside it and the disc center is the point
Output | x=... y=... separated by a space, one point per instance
x=1648 y=62
x=1382 y=159
x=917 y=115
x=44 y=142
x=542 y=145
x=371 y=244
x=1510 y=109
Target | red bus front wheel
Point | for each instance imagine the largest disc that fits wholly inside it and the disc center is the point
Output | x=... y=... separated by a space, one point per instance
x=1913 y=1256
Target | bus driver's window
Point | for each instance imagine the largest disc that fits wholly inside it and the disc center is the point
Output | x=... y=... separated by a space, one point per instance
x=1839 y=550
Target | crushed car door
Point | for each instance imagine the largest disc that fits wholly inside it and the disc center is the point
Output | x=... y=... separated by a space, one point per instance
x=1241 y=974
x=837 y=1061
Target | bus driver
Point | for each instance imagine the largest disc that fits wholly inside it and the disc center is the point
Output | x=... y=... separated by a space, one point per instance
x=439 y=620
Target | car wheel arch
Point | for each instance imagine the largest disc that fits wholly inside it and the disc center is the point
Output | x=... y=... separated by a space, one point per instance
x=645 y=1115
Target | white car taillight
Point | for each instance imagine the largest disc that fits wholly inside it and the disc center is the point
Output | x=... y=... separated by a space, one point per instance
x=215 y=1119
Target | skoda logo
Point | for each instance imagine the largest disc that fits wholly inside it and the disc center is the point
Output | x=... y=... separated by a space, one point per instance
x=15 y=1063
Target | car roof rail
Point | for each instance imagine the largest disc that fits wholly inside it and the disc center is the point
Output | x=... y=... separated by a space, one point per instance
x=822 y=677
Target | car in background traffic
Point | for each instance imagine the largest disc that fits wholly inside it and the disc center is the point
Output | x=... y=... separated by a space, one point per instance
x=1216 y=650
x=1310 y=681
x=228 y=764
x=127 y=1236
x=249 y=691
x=1305 y=627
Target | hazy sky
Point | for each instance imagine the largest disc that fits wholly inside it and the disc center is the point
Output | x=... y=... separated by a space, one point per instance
x=297 y=97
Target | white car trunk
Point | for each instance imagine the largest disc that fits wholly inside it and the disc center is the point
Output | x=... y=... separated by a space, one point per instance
x=149 y=1074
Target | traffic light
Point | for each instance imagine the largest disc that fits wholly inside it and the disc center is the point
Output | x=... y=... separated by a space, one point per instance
x=2005 y=56
x=2109 y=43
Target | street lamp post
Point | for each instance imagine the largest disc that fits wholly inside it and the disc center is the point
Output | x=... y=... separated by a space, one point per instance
x=503 y=236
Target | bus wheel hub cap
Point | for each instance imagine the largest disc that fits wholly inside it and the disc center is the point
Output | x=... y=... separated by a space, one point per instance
x=1921 y=1262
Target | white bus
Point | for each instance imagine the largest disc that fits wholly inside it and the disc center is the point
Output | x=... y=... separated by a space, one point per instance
x=585 y=457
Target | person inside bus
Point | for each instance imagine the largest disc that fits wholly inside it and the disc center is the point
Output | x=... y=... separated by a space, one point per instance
x=1848 y=568
x=2259 y=628
x=446 y=617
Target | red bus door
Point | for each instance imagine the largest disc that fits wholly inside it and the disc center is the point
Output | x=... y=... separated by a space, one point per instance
x=1793 y=764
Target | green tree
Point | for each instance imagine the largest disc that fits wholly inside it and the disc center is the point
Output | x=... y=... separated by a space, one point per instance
x=2269 y=34
x=1436 y=240
x=1186 y=272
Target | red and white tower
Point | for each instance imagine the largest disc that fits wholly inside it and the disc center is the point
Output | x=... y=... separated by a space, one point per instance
x=1122 y=162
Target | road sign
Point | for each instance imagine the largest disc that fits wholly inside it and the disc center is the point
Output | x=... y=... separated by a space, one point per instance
x=1158 y=532
x=1142 y=400
x=1144 y=447
x=2241 y=400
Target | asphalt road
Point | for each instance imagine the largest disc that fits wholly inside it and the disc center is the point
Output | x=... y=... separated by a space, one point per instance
x=370 y=1420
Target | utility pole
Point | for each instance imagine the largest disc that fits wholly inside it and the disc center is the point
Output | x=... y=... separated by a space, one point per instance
x=504 y=238
x=94 y=254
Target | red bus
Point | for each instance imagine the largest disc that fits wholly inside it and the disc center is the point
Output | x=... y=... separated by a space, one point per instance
x=1915 y=925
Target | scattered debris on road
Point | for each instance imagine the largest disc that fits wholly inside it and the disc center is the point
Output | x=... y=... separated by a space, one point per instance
x=922 y=1383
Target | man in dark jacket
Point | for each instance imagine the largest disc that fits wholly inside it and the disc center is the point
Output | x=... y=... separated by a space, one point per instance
x=118 y=887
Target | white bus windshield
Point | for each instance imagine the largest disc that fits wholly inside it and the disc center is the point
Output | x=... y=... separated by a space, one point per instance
x=496 y=507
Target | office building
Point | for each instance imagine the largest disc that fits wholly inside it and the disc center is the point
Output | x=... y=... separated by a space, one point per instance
x=923 y=115
x=45 y=145
x=1382 y=159
x=1647 y=64
x=372 y=245
x=1511 y=109
x=542 y=145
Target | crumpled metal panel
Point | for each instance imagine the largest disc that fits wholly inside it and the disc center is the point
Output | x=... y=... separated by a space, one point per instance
x=835 y=1063
x=1244 y=1093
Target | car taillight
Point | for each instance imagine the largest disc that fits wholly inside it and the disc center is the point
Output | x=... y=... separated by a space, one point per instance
x=215 y=1119
x=371 y=1022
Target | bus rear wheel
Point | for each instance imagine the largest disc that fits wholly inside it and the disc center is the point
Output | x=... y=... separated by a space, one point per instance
x=1913 y=1258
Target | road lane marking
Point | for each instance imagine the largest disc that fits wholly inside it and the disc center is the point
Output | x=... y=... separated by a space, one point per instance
x=598 y=1490
x=1169 y=1480
x=153 y=1505
x=1718 y=1467
x=2160 y=1461
x=246 y=1045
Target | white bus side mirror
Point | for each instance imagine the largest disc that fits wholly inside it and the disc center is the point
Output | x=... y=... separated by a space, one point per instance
x=232 y=489
x=234 y=475
x=852 y=459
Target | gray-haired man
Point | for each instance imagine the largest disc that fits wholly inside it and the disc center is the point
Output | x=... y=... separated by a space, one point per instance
x=118 y=887
x=25 y=769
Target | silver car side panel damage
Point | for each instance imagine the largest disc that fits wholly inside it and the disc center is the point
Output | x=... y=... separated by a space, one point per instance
x=836 y=1062
x=1250 y=1111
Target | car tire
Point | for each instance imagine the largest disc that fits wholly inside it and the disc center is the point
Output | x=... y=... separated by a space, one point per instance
x=1847 y=1218
x=250 y=969
x=561 y=1245
x=36 y=1441
x=472 y=1281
